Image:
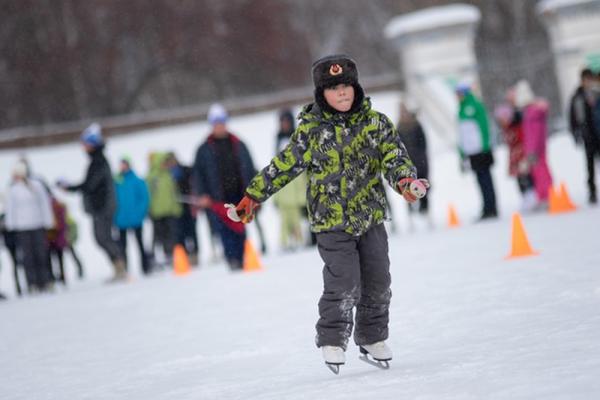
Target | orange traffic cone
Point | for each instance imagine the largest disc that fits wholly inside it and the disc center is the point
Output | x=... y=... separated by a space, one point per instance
x=452 y=217
x=181 y=263
x=251 y=259
x=554 y=206
x=564 y=195
x=520 y=243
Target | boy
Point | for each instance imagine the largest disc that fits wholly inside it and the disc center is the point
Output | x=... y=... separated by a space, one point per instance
x=344 y=146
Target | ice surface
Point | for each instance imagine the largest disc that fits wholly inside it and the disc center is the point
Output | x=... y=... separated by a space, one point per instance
x=465 y=323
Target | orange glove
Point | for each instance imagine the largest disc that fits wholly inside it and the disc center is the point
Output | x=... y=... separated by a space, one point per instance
x=413 y=189
x=246 y=209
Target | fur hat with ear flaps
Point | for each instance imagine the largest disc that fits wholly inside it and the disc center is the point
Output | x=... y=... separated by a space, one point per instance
x=331 y=71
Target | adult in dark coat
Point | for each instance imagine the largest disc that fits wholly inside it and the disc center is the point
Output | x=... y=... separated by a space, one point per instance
x=222 y=169
x=581 y=124
x=99 y=199
x=412 y=135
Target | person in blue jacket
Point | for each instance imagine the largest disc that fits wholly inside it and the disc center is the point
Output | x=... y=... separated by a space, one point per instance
x=132 y=207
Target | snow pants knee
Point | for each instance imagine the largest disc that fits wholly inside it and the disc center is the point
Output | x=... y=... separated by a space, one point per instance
x=356 y=274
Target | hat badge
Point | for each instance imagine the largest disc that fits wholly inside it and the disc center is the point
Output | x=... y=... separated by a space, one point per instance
x=335 y=69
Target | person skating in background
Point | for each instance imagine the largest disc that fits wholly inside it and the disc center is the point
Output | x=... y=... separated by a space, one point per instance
x=287 y=126
x=222 y=169
x=57 y=239
x=510 y=122
x=133 y=200
x=344 y=146
x=16 y=255
x=186 y=234
x=475 y=146
x=534 y=113
x=72 y=236
x=99 y=199
x=583 y=128
x=291 y=200
x=29 y=215
x=413 y=136
x=165 y=207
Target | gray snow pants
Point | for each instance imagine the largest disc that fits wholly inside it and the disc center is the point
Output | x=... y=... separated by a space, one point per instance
x=356 y=274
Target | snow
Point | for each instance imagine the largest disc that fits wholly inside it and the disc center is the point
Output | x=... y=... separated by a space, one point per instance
x=465 y=322
x=432 y=18
x=545 y=6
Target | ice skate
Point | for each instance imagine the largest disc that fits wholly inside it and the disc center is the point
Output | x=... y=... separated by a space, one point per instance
x=334 y=356
x=377 y=354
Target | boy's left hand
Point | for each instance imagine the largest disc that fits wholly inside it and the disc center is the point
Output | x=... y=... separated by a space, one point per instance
x=246 y=209
x=413 y=189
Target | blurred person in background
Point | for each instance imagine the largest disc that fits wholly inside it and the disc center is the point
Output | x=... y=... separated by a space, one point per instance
x=222 y=169
x=534 y=113
x=413 y=136
x=475 y=146
x=186 y=234
x=72 y=236
x=99 y=199
x=510 y=122
x=57 y=239
x=16 y=255
x=291 y=200
x=583 y=127
x=165 y=207
x=133 y=200
x=29 y=215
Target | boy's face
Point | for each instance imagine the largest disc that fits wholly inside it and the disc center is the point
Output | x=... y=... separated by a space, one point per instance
x=340 y=97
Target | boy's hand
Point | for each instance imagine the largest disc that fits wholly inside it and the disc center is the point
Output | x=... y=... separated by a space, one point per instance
x=413 y=189
x=246 y=209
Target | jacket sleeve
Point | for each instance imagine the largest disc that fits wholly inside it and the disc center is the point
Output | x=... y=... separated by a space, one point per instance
x=45 y=205
x=283 y=168
x=198 y=182
x=395 y=162
x=93 y=179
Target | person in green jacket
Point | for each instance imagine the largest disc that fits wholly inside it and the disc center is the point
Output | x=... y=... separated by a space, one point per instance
x=345 y=147
x=165 y=206
x=475 y=146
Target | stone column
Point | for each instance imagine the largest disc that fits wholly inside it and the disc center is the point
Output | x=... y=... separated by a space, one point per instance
x=574 y=30
x=436 y=52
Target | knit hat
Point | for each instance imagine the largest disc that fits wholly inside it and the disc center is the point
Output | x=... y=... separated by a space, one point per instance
x=92 y=135
x=523 y=94
x=463 y=88
x=333 y=70
x=217 y=114
x=20 y=169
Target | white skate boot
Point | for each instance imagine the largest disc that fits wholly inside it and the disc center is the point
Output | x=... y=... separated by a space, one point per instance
x=334 y=356
x=379 y=352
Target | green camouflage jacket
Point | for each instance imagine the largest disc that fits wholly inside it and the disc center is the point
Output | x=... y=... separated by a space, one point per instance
x=344 y=156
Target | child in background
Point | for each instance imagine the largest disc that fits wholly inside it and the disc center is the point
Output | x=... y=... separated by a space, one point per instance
x=344 y=146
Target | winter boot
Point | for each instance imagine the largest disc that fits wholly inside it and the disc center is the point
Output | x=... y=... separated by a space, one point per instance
x=120 y=271
x=379 y=351
x=334 y=356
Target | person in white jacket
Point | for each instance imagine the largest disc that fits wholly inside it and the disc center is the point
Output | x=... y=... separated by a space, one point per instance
x=29 y=215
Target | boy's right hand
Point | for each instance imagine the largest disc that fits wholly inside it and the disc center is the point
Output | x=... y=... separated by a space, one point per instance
x=413 y=189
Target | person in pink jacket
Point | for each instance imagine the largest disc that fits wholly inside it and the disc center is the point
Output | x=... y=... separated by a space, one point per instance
x=535 y=133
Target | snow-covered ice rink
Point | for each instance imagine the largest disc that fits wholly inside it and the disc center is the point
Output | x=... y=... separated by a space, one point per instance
x=465 y=322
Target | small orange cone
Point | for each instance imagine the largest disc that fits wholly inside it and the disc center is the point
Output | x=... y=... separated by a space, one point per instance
x=251 y=259
x=554 y=206
x=520 y=243
x=564 y=195
x=453 y=221
x=181 y=263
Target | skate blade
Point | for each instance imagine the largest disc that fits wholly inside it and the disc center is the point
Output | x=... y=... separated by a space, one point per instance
x=335 y=368
x=381 y=364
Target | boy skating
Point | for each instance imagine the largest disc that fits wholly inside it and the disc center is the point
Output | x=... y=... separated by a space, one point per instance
x=344 y=146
